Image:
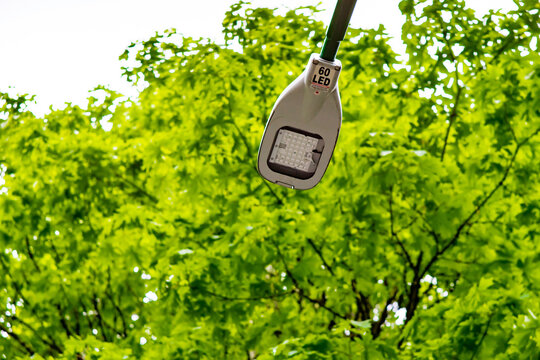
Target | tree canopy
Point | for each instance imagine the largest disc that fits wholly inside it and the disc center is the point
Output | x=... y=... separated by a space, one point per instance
x=139 y=228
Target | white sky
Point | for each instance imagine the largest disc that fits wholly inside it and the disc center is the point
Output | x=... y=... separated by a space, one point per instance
x=61 y=49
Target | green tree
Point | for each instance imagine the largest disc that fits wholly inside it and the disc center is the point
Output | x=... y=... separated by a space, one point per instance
x=141 y=229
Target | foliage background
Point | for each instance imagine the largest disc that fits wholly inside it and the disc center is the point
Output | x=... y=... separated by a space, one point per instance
x=141 y=229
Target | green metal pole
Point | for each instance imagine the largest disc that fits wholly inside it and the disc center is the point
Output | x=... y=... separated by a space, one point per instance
x=337 y=29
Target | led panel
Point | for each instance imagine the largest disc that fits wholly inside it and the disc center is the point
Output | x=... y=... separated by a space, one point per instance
x=296 y=154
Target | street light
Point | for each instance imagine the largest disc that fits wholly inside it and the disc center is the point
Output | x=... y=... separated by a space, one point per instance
x=302 y=130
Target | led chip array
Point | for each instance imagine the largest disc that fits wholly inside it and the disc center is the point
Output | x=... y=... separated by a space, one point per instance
x=294 y=150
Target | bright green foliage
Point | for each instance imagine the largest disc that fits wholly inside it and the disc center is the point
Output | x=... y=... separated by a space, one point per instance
x=158 y=239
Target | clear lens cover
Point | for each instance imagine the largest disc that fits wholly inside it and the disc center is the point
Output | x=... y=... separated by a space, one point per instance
x=295 y=153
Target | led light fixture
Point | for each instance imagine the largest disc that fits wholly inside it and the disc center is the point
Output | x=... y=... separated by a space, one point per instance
x=296 y=154
x=303 y=129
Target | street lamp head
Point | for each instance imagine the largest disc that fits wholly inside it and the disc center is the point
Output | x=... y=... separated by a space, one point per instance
x=302 y=131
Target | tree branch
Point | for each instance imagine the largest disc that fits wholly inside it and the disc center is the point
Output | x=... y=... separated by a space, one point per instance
x=63 y=321
x=319 y=253
x=509 y=125
x=30 y=254
x=137 y=187
x=508 y=41
x=479 y=206
x=394 y=234
x=321 y=304
x=405 y=227
x=109 y=294
x=17 y=339
x=248 y=148
x=413 y=298
x=445 y=32
x=18 y=290
x=248 y=298
x=300 y=291
x=51 y=343
x=433 y=233
x=87 y=316
x=453 y=114
x=100 y=318
x=484 y=334
x=278 y=199
x=53 y=247
x=376 y=328
x=363 y=307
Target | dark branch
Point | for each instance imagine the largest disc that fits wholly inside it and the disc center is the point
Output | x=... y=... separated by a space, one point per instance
x=279 y=201
x=479 y=207
x=413 y=298
x=363 y=307
x=109 y=294
x=248 y=148
x=445 y=33
x=431 y=231
x=453 y=114
x=394 y=234
x=430 y=287
x=484 y=334
x=299 y=290
x=138 y=188
x=99 y=317
x=508 y=41
x=87 y=316
x=509 y=125
x=63 y=321
x=30 y=254
x=18 y=339
x=405 y=227
x=51 y=343
x=319 y=253
x=376 y=328
x=320 y=302
x=57 y=258
x=247 y=298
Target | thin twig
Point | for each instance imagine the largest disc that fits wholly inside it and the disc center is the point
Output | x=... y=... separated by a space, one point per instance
x=100 y=318
x=247 y=298
x=319 y=253
x=279 y=201
x=405 y=227
x=322 y=305
x=63 y=321
x=30 y=254
x=484 y=334
x=51 y=343
x=248 y=148
x=393 y=232
x=505 y=118
x=138 y=188
x=17 y=338
x=109 y=294
x=453 y=114
x=300 y=291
